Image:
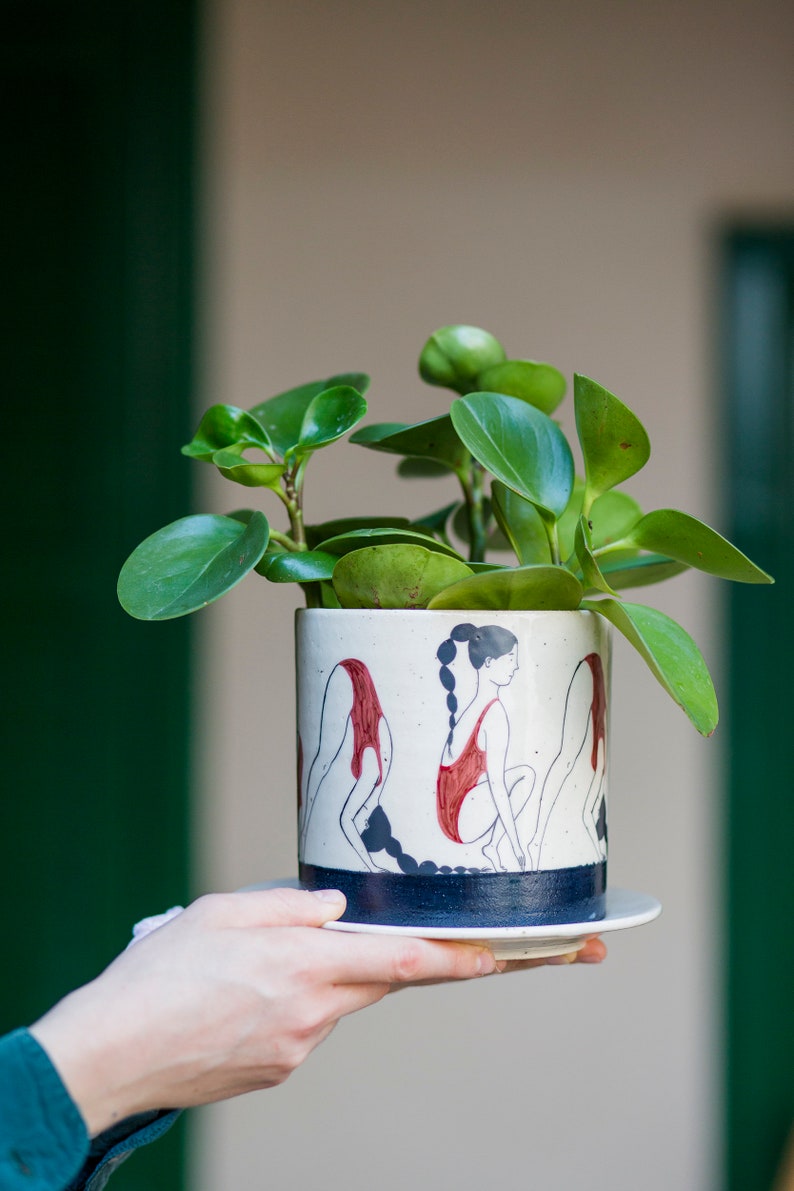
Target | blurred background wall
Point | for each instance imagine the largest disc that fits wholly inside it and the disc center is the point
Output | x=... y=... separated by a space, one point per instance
x=556 y=173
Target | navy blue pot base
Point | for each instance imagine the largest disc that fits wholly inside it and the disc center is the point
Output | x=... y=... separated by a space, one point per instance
x=550 y=897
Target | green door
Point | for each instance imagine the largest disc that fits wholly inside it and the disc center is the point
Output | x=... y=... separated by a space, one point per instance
x=97 y=113
x=758 y=355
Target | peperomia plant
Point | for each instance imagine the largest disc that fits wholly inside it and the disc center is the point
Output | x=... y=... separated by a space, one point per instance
x=577 y=541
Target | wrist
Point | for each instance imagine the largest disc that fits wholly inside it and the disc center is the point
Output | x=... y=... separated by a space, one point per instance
x=97 y=1064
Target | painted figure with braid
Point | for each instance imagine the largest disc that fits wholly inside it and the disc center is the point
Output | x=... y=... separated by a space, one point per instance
x=478 y=797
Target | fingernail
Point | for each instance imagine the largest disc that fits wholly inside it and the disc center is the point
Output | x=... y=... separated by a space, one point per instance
x=486 y=963
x=330 y=896
x=501 y=964
x=570 y=958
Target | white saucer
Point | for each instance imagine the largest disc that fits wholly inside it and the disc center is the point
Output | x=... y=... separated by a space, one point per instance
x=625 y=908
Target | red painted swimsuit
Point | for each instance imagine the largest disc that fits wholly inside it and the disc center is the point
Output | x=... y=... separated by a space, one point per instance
x=598 y=709
x=456 y=780
x=365 y=716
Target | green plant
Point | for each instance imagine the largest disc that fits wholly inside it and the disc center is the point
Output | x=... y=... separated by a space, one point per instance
x=578 y=541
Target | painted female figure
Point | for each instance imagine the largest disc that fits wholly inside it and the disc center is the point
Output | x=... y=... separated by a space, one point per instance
x=584 y=724
x=478 y=798
x=350 y=766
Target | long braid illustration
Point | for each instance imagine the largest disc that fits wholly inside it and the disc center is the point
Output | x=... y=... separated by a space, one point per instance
x=457 y=779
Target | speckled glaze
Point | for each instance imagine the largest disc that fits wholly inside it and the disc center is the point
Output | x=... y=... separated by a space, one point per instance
x=452 y=765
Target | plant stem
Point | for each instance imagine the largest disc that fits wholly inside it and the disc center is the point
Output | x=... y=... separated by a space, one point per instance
x=612 y=548
x=293 y=489
x=294 y=503
x=312 y=593
x=472 y=485
x=284 y=540
x=554 y=541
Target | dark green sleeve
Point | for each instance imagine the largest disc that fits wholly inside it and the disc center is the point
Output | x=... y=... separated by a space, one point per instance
x=44 y=1145
x=43 y=1139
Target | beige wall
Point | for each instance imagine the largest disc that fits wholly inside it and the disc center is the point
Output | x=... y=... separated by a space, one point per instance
x=552 y=171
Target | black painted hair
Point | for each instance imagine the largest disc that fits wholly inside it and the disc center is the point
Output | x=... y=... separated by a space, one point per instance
x=488 y=641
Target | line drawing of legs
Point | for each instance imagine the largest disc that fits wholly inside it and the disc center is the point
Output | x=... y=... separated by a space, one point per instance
x=593 y=811
x=583 y=722
x=352 y=762
x=479 y=820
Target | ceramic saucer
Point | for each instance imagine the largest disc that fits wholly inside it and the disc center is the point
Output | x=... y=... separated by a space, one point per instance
x=625 y=909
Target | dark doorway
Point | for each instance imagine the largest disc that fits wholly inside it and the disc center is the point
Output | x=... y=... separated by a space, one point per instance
x=758 y=381
x=97 y=112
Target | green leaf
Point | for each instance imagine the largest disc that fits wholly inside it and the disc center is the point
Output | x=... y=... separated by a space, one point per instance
x=266 y=560
x=190 y=563
x=245 y=515
x=455 y=356
x=328 y=597
x=514 y=589
x=640 y=571
x=232 y=465
x=671 y=654
x=341 y=525
x=435 y=439
x=684 y=538
x=495 y=539
x=328 y=416
x=540 y=384
x=611 y=518
x=369 y=435
x=521 y=524
x=226 y=426
x=480 y=568
x=422 y=469
x=519 y=445
x=612 y=515
x=394 y=576
x=282 y=416
x=357 y=539
x=593 y=579
x=307 y=566
x=566 y=526
x=436 y=522
x=613 y=440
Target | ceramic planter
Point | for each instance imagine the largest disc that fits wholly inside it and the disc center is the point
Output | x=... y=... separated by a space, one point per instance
x=452 y=765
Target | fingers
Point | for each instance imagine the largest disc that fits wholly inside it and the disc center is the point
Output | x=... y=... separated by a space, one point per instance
x=269 y=907
x=350 y=998
x=400 y=960
x=593 y=952
x=348 y=959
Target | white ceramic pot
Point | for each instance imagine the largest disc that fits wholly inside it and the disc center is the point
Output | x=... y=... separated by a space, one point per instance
x=452 y=765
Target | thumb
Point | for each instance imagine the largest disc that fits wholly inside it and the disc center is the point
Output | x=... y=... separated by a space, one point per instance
x=285 y=907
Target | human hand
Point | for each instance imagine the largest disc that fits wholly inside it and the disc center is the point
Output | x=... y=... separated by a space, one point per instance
x=230 y=996
x=593 y=952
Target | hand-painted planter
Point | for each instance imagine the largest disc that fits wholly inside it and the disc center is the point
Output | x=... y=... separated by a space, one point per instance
x=452 y=765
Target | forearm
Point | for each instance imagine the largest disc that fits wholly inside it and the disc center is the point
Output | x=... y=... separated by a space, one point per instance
x=102 y=1057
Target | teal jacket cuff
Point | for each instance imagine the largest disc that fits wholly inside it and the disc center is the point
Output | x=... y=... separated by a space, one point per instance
x=43 y=1139
x=44 y=1145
